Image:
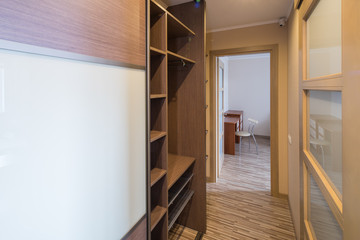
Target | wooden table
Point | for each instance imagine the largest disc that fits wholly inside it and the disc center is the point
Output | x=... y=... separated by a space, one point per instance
x=239 y=115
x=230 y=127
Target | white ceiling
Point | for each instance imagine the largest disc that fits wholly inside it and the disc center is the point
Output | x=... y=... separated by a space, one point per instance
x=230 y=14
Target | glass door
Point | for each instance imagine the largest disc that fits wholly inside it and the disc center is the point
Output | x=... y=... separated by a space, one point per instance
x=322 y=136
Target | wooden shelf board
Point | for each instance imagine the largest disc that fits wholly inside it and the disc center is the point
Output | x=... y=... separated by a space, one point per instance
x=177 y=165
x=156 y=51
x=179 y=207
x=156 y=214
x=176 y=57
x=155 y=135
x=175 y=190
x=155 y=96
x=156 y=9
x=156 y=174
x=177 y=29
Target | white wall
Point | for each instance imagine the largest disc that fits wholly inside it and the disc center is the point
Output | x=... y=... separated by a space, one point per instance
x=249 y=89
x=72 y=148
x=293 y=119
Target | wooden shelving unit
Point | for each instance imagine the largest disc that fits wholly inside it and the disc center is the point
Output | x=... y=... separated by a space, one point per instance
x=156 y=174
x=179 y=206
x=155 y=51
x=177 y=138
x=156 y=216
x=173 y=57
x=154 y=96
x=155 y=135
x=177 y=165
x=177 y=29
x=176 y=189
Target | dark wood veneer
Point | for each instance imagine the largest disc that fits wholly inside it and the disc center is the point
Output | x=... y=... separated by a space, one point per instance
x=187 y=111
x=113 y=29
x=138 y=231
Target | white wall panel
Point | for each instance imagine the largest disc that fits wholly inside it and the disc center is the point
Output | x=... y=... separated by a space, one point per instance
x=72 y=148
x=249 y=89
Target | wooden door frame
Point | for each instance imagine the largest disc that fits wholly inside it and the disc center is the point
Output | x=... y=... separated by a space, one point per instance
x=274 y=107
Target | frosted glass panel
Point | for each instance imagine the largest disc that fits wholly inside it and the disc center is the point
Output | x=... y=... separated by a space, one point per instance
x=221 y=78
x=221 y=123
x=324 y=39
x=325 y=132
x=221 y=147
x=321 y=217
x=221 y=101
x=72 y=149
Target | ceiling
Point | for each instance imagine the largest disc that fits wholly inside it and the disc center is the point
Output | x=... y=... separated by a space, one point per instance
x=230 y=14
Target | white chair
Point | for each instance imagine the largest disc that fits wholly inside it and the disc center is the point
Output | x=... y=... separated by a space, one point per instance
x=248 y=133
x=320 y=143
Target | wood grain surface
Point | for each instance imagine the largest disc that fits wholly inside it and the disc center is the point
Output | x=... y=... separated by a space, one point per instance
x=239 y=205
x=177 y=165
x=138 y=231
x=112 y=30
x=187 y=119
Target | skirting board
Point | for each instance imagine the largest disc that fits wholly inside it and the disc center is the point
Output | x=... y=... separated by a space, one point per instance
x=138 y=231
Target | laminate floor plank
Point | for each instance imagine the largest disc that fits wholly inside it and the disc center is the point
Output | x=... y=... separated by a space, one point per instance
x=239 y=205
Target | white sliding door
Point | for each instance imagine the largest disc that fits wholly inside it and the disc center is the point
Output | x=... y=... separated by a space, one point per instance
x=72 y=148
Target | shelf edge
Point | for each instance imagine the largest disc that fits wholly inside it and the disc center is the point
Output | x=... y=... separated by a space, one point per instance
x=161 y=173
x=159 y=213
x=181 y=57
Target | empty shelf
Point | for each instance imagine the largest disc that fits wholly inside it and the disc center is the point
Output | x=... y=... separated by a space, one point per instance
x=156 y=214
x=173 y=57
x=178 y=187
x=155 y=135
x=156 y=9
x=179 y=207
x=177 y=165
x=156 y=51
x=155 y=96
x=156 y=174
x=177 y=28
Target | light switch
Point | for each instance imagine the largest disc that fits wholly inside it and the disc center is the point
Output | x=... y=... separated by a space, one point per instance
x=289 y=139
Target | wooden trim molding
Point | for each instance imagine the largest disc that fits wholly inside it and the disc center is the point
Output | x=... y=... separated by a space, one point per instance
x=274 y=122
x=112 y=30
x=26 y=48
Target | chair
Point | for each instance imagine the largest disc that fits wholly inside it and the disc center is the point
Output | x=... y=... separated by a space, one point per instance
x=320 y=143
x=248 y=133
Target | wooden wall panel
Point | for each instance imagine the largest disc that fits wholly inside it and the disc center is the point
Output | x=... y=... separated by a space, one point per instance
x=187 y=119
x=112 y=29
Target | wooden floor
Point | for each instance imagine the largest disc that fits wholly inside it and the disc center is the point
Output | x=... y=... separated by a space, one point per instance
x=239 y=205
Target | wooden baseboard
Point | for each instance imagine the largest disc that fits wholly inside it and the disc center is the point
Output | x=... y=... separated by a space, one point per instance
x=138 y=231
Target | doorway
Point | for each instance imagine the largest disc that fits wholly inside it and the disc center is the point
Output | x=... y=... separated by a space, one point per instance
x=215 y=113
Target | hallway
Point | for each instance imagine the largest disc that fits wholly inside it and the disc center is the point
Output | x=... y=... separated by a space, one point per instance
x=239 y=205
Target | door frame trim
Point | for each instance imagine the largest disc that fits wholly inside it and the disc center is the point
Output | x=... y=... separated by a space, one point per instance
x=274 y=107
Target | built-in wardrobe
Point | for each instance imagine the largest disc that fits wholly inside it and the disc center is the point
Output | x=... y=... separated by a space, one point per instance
x=176 y=73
